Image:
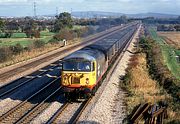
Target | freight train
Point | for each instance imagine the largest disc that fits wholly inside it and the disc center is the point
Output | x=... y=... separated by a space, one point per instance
x=83 y=71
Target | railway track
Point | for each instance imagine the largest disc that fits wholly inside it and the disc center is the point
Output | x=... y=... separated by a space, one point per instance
x=35 y=104
x=10 y=87
x=76 y=111
x=60 y=54
x=25 y=109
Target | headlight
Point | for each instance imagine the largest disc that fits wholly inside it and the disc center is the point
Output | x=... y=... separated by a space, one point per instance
x=87 y=80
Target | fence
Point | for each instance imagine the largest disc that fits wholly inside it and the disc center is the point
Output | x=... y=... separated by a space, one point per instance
x=149 y=114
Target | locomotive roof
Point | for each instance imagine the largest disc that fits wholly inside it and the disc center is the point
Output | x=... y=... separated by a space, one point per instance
x=86 y=54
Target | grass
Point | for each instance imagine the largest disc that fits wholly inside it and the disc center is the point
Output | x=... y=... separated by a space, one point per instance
x=142 y=88
x=30 y=54
x=18 y=35
x=11 y=42
x=46 y=33
x=172 y=38
x=78 y=27
x=169 y=54
x=21 y=39
x=26 y=55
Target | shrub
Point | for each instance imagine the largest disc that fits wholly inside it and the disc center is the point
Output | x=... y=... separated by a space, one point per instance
x=17 y=49
x=64 y=34
x=36 y=34
x=5 y=54
x=158 y=69
x=87 y=31
x=31 y=33
x=39 y=44
x=53 y=41
x=8 y=34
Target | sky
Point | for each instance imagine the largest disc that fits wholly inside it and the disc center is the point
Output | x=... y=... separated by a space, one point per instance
x=46 y=7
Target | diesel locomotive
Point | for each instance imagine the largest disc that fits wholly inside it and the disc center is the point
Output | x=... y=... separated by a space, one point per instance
x=83 y=70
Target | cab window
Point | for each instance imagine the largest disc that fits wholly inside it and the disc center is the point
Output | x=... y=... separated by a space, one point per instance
x=76 y=66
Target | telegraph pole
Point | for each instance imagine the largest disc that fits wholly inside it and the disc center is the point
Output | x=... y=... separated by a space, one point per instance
x=35 y=14
x=57 y=11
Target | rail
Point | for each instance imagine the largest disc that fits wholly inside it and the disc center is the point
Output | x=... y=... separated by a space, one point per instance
x=55 y=56
x=13 y=114
x=149 y=114
x=78 y=113
x=10 y=87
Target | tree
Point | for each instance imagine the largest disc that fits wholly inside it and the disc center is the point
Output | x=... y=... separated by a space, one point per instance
x=177 y=27
x=62 y=21
x=2 y=25
x=31 y=28
x=64 y=34
x=124 y=19
x=12 y=25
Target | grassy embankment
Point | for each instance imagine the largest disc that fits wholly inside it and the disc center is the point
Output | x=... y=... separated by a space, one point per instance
x=23 y=40
x=31 y=52
x=169 y=54
x=149 y=80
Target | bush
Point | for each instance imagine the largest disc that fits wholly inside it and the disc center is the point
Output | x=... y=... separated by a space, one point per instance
x=36 y=34
x=39 y=44
x=31 y=34
x=5 y=54
x=87 y=31
x=64 y=34
x=158 y=69
x=17 y=49
x=53 y=41
x=8 y=34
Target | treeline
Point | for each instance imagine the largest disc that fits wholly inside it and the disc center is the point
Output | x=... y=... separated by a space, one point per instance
x=26 y=25
x=32 y=27
x=63 y=26
x=152 y=20
x=102 y=21
x=168 y=27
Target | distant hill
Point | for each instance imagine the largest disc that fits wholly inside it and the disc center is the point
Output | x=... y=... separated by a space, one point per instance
x=91 y=14
x=155 y=15
x=94 y=14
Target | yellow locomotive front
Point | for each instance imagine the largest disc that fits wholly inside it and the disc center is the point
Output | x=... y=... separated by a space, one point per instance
x=78 y=73
x=78 y=76
x=81 y=71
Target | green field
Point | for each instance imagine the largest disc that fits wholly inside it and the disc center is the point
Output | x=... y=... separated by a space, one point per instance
x=169 y=54
x=18 y=35
x=21 y=39
x=78 y=27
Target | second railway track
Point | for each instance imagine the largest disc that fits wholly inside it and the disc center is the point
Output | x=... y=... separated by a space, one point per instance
x=6 y=75
x=10 y=87
x=23 y=108
x=35 y=104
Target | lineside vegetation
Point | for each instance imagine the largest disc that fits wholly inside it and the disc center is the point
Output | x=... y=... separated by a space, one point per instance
x=148 y=79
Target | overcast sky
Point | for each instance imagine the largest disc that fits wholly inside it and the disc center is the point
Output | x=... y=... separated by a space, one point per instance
x=44 y=7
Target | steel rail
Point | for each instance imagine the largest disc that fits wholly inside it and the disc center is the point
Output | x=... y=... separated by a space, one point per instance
x=27 y=115
x=8 y=113
x=22 y=83
x=87 y=41
x=58 y=112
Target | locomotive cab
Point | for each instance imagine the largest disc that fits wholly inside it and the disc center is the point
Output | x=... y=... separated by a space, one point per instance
x=78 y=73
x=81 y=71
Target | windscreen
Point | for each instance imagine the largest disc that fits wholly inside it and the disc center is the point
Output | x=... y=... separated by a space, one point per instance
x=76 y=66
